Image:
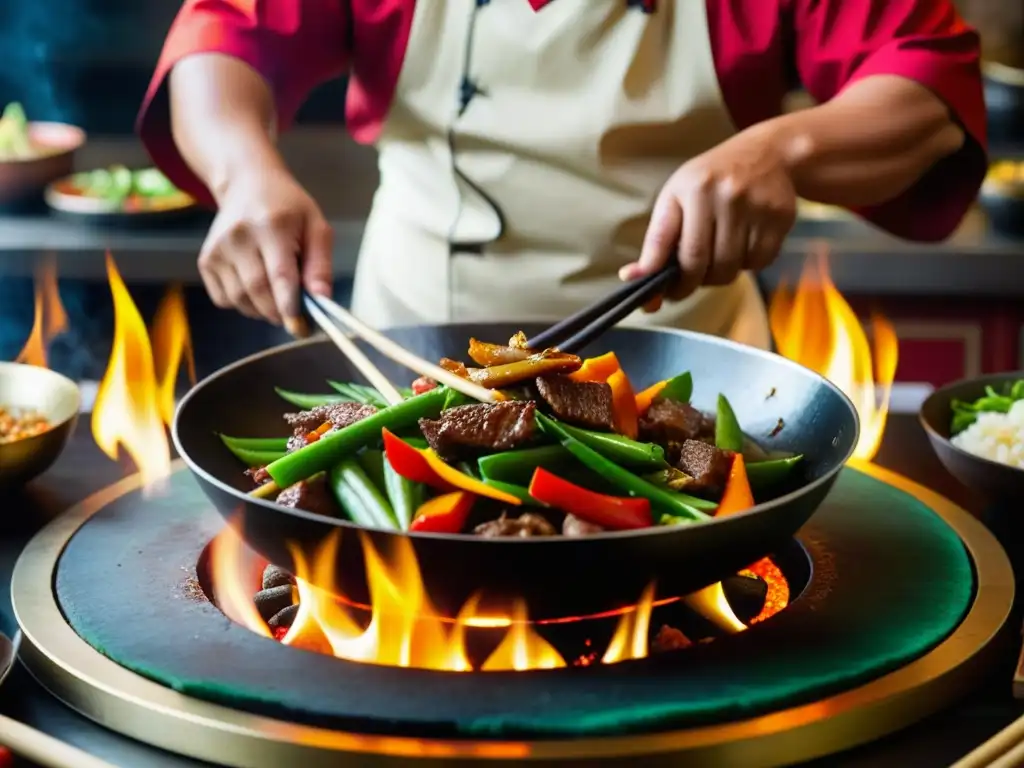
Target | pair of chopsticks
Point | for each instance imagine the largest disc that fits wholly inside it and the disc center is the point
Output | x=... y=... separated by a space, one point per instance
x=1004 y=750
x=569 y=335
x=44 y=750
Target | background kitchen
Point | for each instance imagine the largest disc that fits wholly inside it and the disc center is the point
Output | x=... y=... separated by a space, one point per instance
x=956 y=308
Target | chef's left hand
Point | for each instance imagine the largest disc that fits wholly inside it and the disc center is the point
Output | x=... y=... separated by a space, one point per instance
x=723 y=212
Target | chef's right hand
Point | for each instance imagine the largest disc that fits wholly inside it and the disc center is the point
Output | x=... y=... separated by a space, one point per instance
x=268 y=239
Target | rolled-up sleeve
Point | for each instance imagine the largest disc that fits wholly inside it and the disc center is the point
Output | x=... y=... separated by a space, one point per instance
x=294 y=46
x=843 y=41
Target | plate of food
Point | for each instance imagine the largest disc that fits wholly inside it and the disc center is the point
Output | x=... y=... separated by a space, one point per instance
x=976 y=427
x=656 y=455
x=38 y=413
x=120 y=196
x=32 y=154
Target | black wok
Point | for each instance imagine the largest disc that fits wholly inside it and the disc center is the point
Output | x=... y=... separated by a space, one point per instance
x=558 y=575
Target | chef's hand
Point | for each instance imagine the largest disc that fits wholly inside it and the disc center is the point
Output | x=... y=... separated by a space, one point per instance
x=722 y=212
x=268 y=239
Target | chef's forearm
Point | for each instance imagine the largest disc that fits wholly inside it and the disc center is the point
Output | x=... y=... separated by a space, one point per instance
x=867 y=145
x=222 y=118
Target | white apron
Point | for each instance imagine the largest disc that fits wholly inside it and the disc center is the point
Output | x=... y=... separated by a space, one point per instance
x=522 y=202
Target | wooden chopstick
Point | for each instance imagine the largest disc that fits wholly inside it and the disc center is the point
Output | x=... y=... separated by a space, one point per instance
x=43 y=749
x=582 y=327
x=1004 y=750
x=352 y=351
x=402 y=356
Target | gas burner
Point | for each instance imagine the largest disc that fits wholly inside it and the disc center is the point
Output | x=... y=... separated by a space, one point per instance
x=895 y=597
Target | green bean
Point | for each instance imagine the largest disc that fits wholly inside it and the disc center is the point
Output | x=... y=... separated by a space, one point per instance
x=469 y=468
x=359 y=393
x=728 y=435
x=662 y=501
x=271 y=444
x=672 y=479
x=359 y=497
x=308 y=402
x=763 y=474
x=372 y=462
x=405 y=495
x=253 y=458
x=679 y=388
x=520 y=492
x=518 y=466
x=337 y=445
x=621 y=450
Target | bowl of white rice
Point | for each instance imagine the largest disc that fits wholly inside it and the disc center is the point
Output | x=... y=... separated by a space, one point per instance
x=976 y=427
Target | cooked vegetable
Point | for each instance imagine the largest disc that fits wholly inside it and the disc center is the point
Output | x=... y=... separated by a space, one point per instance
x=443 y=514
x=737 y=496
x=613 y=512
x=518 y=466
x=621 y=450
x=15 y=141
x=146 y=188
x=424 y=466
x=270 y=444
x=679 y=388
x=965 y=413
x=485 y=354
x=597 y=369
x=337 y=445
x=646 y=397
x=624 y=405
x=359 y=497
x=763 y=474
x=664 y=502
x=253 y=458
x=728 y=435
x=405 y=495
x=372 y=461
x=308 y=402
x=520 y=492
x=542 y=364
x=357 y=393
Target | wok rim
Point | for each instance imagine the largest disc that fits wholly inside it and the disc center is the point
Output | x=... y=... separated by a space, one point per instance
x=654 y=530
x=935 y=434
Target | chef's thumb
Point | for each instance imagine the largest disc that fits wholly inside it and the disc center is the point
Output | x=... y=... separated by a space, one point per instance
x=661 y=241
x=317 y=259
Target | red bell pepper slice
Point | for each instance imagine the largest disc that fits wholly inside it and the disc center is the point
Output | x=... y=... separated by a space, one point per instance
x=613 y=512
x=645 y=398
x=624 y=405
x=443 y=514
x=426 y=467
x=737 y=497
x=597 y=369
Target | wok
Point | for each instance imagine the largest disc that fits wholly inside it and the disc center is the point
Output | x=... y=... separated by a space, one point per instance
x=558 y=576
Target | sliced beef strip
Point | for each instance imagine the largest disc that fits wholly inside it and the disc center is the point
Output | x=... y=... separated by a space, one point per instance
x=588 y=404
x=668 y=421
x=708 y=466
x=468 y=430
x=340 y=415
x=526 y=525
x=574 y=526
x=311 y=496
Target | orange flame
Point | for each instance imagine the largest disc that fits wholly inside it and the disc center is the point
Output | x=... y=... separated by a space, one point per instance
x=816 y=327
x=133 y=403
x=50 y=319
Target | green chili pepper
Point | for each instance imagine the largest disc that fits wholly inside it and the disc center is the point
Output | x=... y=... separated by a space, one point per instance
x=961 y=421
x=270 y=444
x=728 y=435
x=518 y=466
x=679 y=388
x=405 y=495
x=359 y=497
x=621 y=450
x=308 y=402
x=661 y=500
x=763 y=474
x=337 y=445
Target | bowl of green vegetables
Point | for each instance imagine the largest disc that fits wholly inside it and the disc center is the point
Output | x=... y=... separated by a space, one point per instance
x=33 y=154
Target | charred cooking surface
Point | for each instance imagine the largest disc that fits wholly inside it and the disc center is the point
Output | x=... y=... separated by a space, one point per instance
x=142 y=619
x=469 y=430
x=588 y=404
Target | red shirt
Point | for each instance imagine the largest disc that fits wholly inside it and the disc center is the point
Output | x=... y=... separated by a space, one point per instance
x=758 y=47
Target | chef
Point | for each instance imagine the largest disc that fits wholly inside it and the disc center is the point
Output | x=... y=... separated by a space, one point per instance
x=533 y=153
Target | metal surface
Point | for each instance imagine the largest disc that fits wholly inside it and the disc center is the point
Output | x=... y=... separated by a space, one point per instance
x=993 y=480
x=819 y=422
x=49 y=393
x=83 y=678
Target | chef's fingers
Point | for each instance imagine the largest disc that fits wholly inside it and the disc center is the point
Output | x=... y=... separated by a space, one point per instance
x=696 y=244
x=234 y=287
x=280 y=253
x=732 y=232
x=252 y=267
x=765 y=245
x=318 y=254
x=661 y=240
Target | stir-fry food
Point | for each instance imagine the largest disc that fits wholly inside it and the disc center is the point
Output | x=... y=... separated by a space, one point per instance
x=573 y=448
x=16 y=424
x=16 y=142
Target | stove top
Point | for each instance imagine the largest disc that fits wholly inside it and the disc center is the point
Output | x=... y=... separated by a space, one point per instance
x=98 y=623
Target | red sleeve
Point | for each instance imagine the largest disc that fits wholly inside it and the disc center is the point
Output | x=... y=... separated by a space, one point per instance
x=295 y=46
x=841 y=41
